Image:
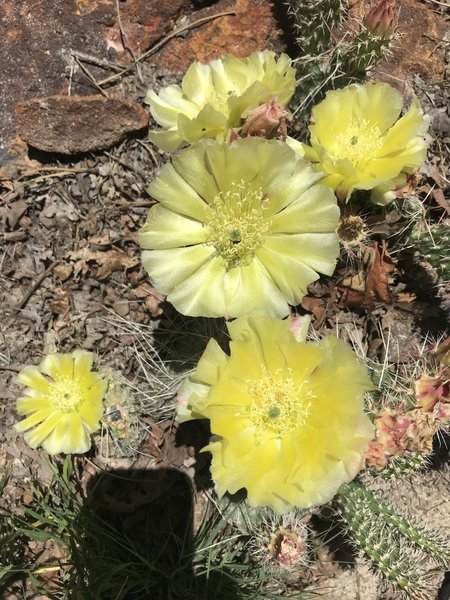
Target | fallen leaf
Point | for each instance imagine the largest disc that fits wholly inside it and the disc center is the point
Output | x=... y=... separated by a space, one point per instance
x=370 y=285
x=109 y=261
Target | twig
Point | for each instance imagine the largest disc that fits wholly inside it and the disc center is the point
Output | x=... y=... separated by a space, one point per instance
x=90 y=77
x=126 y=42
x=33 y=288
x=126 y=165
x=164 y=41
x=97 y=61
x=149 y=150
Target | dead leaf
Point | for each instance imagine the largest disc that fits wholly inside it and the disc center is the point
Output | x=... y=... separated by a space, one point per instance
x=315 y=306
x=370 y=285
x=109 y=261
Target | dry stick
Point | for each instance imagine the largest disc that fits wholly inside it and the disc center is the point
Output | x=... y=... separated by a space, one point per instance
x=99 y=62
x=90 y=77
x=164 y=41
x=31 y=291
x=127 y=43
x=149 y=150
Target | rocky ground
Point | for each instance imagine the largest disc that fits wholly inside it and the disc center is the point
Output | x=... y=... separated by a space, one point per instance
x=70 y=272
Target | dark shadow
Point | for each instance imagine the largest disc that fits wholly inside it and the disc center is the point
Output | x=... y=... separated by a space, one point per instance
x=444 y=592
x=286 y=23
x=181 y=340
x=199 y=4
x=70 y=160
x=136 y=528
x=333 y=535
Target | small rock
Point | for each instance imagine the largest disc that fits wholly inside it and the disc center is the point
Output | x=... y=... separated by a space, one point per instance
x=76 y=124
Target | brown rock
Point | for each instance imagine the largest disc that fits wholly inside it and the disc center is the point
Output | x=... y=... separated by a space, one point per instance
x=253 y=27
x=75 y=124
x=39 y=38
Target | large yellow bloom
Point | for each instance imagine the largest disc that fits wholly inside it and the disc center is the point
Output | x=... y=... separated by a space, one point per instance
x=239 y=227
x=64 y=402
x=357 y=141
x=216 y=97
x=287 y=416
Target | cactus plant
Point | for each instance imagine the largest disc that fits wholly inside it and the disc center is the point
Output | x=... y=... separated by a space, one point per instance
x=332 y=53
x=394 y=543
x=432 y=243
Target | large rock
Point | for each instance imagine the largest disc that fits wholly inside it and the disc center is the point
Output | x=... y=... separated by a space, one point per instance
x=75 y=124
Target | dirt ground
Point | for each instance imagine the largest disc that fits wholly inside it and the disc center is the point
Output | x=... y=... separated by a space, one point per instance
x=70 y=271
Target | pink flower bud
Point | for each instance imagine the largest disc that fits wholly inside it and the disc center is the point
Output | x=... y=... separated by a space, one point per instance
x=267 y=120
x=382 y=18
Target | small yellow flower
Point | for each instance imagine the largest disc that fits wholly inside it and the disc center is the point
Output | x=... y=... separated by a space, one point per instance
x=287 y=416
x=359 y=142
x=239 y=227
x=217 y=97
x=63 y=401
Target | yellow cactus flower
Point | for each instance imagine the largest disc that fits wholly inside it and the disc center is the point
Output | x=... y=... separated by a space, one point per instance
x=63 y=401
x=287 y=416
x=359 y=142
x=217 y=97
x=239 y=227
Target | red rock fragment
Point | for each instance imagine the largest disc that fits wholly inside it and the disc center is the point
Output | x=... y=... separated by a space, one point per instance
x=76 y=124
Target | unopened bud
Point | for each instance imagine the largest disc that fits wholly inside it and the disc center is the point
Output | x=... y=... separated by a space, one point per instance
x=381 y=19
x=267 y=120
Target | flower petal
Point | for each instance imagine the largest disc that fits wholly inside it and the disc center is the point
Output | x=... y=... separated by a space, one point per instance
x=26 y=404
x=202 y=292
x=315 y=211
x=35 y=418
x=68 y=437
x=36 y=436
x=58 y=366
x=170 y=268
x=250 y=288
x=167 y=229
x=176 y=194
x=33 y=378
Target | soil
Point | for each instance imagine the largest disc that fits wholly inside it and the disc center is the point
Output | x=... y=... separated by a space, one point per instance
x=71 y=277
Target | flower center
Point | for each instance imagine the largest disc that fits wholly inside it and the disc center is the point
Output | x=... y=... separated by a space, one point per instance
x=279 y=403
x=66 y=395
x=238 y=226
x=358 y=143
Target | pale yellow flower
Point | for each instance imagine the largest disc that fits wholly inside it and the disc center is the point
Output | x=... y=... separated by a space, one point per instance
x=63 y=401
x=239 y=227
x=360 y=143
x=287 y=416
x=217 y=97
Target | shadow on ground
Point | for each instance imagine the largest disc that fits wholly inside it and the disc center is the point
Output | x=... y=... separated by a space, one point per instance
x=137 y=532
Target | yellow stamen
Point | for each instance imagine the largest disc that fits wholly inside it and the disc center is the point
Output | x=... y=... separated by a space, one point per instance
x=358 y=143
x=238 y=225
x=65 y=394
x=280 y=403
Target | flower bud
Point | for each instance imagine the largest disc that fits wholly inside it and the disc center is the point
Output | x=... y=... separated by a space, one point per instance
x=267 y=120
x=381 y=19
